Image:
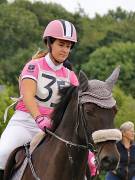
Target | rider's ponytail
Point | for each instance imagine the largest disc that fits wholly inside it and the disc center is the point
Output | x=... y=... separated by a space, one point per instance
x=40 y=53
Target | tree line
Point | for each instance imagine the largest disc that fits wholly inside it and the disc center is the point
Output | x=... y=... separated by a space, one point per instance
x=103 y=43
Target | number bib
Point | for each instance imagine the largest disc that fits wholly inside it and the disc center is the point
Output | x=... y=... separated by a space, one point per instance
x=48 y=86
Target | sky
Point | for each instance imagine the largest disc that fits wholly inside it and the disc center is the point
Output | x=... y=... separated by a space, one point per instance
x=91 y=7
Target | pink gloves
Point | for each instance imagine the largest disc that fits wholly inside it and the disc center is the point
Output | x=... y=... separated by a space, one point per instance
x=43 y=122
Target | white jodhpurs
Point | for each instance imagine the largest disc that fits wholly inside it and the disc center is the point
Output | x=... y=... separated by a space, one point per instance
x=20 y=130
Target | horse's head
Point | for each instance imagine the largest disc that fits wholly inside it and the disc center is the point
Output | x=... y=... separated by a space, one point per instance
x=98 y=109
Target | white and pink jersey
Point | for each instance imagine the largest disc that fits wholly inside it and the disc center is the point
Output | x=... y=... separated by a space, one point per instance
x=50 y=78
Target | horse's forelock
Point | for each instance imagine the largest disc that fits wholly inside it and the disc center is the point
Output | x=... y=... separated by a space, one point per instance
x=65 y=96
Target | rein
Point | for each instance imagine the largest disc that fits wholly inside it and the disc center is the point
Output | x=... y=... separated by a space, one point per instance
x=88 y=145
x=69 y=144
x=65 y=141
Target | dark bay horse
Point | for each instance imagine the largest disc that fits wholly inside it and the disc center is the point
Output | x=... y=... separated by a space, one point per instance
x=81 y=111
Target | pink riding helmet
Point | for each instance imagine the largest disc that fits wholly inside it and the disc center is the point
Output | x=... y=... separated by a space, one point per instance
x=61 y=29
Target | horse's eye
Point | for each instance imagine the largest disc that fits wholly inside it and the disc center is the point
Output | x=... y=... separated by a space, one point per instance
x=89 y=112
x=89 y=109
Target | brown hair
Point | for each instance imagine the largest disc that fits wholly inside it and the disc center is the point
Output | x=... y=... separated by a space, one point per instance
x=40 y=53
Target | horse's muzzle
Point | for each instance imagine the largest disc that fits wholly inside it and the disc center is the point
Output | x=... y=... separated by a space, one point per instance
x=108 y=163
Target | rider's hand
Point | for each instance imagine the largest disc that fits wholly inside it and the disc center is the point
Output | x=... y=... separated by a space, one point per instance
x=43 y=122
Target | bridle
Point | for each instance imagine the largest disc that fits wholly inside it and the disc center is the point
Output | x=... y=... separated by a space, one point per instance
x=82 y=119
x=88 y=145
x=87 y=134
x=69 y=144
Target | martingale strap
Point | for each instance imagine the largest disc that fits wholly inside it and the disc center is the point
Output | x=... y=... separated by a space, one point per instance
x=28 y=156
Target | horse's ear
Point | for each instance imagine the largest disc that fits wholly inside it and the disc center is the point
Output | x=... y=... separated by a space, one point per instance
x=111 y=80
x=83 y=81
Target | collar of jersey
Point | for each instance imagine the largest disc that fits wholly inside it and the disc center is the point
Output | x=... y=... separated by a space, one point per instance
x=51 y=64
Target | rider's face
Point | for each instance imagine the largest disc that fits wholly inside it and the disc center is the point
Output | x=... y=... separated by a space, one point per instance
x=60 y=50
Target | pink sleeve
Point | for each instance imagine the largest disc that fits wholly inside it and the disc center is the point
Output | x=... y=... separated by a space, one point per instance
x=73 y=79
x=30 y=70
x=91 y=163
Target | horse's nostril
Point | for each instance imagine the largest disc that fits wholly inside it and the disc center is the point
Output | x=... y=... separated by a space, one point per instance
x=109 y=163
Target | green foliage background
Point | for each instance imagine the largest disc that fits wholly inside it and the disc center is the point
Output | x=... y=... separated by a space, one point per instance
x=103 y=43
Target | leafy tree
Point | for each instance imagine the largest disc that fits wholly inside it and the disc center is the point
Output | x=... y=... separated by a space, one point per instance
x=45 y=12
x=118 y=15
x=103 y=41
x=122 y=27
x=5 y=102
x=10 y=74
x=3 y=1
x=18 y=29
x=104 y=60
x=126 y=107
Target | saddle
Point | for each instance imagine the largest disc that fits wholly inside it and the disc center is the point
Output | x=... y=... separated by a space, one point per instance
x=15 y=160
x=18 y=156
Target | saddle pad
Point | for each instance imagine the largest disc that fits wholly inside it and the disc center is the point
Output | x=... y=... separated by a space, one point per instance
x=34 y=143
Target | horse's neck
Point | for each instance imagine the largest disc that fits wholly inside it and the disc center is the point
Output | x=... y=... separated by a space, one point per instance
x=67 y=127
x=68 y=157
x=68 y=130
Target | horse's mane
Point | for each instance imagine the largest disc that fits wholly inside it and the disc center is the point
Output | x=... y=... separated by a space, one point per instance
x=59 y=110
